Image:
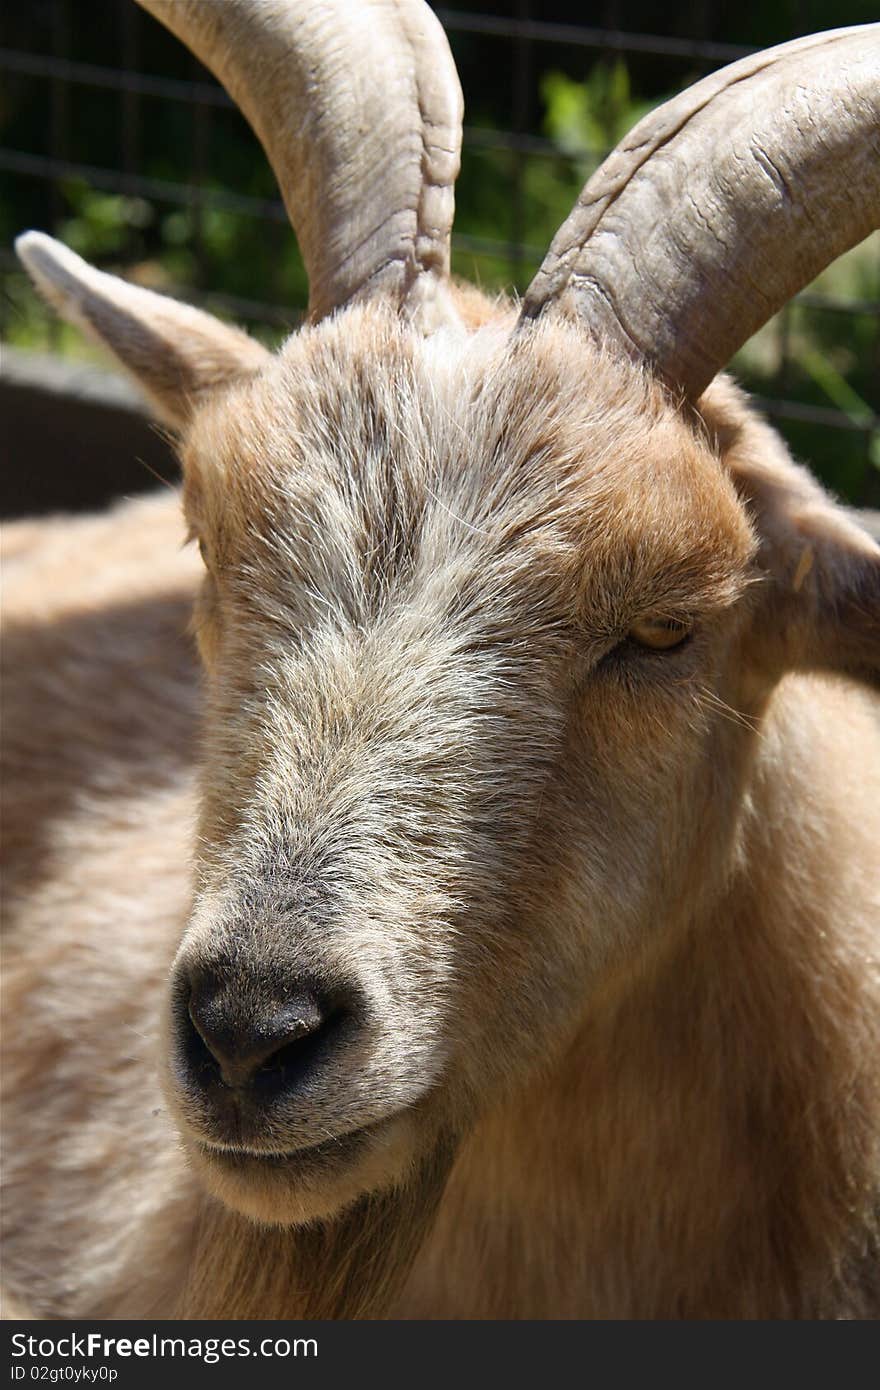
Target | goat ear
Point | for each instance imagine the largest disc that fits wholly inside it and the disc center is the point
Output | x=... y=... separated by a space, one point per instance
x=176 y=353
x=820 y=607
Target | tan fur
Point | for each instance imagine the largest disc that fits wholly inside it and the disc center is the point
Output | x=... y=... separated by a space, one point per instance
x=616 y=911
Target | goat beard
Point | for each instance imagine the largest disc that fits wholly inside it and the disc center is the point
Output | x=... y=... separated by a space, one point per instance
x=349 y=1266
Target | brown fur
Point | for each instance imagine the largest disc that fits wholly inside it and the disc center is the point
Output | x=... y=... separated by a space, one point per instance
x=616 y=910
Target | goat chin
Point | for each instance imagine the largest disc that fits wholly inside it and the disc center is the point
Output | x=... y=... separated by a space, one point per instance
x=312 y=1184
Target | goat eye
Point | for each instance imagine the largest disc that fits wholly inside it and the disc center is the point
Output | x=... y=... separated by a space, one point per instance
x=660 y=634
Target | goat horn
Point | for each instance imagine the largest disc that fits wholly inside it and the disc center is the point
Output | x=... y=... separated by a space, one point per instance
x=722 y=204
x=359 y=110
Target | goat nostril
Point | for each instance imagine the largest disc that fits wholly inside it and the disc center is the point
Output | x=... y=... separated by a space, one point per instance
x=292 y=1053
x=264 y=1045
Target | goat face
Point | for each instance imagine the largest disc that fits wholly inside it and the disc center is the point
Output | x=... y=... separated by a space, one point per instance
x=465 y=618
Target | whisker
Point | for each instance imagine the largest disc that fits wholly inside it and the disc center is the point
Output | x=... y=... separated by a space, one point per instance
x=158 y=476
x=734 y=716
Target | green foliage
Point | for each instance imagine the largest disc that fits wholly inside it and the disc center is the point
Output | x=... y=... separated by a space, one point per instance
x=586 y=119
x=100 y=224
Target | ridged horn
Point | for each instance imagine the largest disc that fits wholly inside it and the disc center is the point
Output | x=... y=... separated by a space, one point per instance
x=359 y=108
x=722 y=204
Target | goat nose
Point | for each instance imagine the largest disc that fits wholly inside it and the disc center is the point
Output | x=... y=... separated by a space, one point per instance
x=248 y=1039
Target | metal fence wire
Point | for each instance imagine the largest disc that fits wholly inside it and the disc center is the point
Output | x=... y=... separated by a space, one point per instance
x=116 y=140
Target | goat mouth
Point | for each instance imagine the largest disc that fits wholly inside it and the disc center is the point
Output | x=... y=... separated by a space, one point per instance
x=311 y=1182
x=258 y=1155
x=327 y=1153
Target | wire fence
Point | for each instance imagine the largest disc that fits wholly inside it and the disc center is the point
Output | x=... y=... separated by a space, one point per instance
x=101 y=101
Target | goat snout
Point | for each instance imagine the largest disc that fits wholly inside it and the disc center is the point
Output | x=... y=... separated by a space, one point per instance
x=262 y=1041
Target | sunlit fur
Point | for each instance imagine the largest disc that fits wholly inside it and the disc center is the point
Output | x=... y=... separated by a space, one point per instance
x=615 y=911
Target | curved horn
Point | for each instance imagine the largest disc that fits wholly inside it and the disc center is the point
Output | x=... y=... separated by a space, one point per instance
x=359 y=110
x=722 y=204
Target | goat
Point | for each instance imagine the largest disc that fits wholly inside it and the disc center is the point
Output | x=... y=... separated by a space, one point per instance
x=492 y=931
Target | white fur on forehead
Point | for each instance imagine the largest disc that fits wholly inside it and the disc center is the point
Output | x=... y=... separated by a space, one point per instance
x=360 y=424
x=322 y=386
